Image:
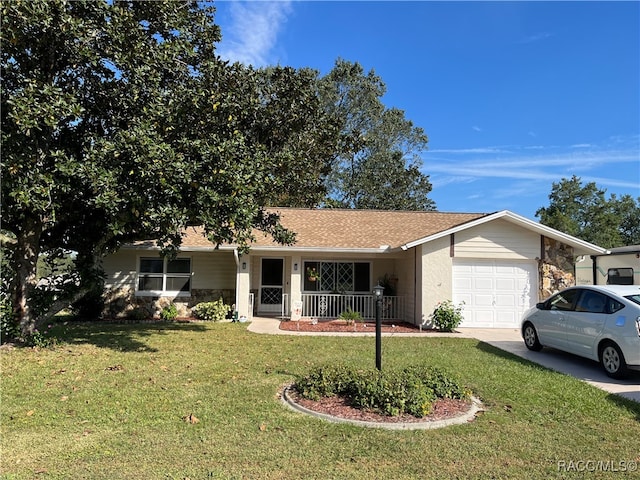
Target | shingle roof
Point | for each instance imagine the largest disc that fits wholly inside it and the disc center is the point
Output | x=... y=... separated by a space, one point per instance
x=350 y=229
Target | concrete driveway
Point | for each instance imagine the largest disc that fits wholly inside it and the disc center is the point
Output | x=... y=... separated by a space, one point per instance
x=510 y=340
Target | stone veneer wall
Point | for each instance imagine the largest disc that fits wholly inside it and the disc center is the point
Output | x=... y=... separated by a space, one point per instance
x=556 y=269
x=123 y=303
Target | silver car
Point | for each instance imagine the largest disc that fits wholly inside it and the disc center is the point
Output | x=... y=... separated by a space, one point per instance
x=598 y=322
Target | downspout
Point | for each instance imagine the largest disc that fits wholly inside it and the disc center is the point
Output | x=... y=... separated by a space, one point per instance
x=594 y=268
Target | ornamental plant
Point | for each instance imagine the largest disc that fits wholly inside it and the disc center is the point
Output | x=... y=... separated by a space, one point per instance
x=411 y=390
x=169 y=313
x=312 y=274
x=447 y=316
x=211 y=311
x=350 y=316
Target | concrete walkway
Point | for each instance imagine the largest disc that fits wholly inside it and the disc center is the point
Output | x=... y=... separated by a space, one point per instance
x=506 y=339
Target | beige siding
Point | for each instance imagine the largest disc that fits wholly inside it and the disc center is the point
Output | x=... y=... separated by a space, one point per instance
x=497 y=240
x=120 y=269
x=211 y=270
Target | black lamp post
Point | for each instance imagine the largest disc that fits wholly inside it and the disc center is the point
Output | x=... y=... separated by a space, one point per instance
x=378 y=290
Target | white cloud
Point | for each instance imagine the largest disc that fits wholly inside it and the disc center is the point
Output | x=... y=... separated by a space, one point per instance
x=469 y=150
x=476 y=128
x=590 y=163
x=253 y=31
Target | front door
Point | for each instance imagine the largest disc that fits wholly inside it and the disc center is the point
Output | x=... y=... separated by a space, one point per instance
x=271 y=285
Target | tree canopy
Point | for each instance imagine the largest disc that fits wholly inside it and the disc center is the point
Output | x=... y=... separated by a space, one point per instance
x=378 y=166
x=119 y=122
x=584 y=212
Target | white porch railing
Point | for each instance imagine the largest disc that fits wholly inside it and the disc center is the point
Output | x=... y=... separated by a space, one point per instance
x=331 y=305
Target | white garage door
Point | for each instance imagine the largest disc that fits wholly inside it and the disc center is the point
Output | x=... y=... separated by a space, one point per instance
x=495 y=292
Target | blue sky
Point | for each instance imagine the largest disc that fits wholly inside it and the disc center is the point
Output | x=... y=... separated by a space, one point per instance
x=513 y=95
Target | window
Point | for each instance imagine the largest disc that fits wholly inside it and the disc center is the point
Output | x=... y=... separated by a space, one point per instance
x=592 y=302
x=563 y=300
x=620 y=276
x=160 y=276
x=337 y=277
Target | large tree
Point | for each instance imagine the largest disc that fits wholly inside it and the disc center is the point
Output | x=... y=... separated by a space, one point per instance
x=584 y=212
x=379 y=166
x=120 y=123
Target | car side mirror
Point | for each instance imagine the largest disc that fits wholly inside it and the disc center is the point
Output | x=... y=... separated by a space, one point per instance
x=541 y=305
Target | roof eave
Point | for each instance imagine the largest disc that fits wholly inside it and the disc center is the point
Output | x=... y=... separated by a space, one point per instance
x=585 y=247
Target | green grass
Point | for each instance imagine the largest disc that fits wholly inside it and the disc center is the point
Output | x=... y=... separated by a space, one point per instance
x=108 y=402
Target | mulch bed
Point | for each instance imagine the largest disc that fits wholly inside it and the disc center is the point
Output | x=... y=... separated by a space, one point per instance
x=341 y=326
x=338 y=406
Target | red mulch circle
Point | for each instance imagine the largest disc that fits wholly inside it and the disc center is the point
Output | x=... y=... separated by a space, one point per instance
x=323 y=326
x=338 y=406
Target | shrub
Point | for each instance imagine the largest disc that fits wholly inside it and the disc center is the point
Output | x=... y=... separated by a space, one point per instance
x=137 y=313
x=350 y=316
x=211 y=311
x=446 y=316
x=41 y=339
x=325 y=381
x=440 y=382
x=391 y=392
x=8 y=323
x=169 y=313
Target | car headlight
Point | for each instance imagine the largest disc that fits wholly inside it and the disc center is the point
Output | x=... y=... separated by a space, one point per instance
x=638 y=325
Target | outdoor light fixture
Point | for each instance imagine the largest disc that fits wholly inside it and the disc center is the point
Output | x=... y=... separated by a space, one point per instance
x=244 y=265
x=295 y=267
x=378 y=290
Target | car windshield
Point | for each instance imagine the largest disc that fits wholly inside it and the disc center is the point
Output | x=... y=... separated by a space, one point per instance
x=635 y=298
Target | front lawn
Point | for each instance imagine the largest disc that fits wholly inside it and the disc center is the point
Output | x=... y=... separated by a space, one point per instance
x=110 y=402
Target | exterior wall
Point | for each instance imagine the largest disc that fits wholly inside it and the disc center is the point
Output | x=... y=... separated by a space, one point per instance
x=505 y=241
x=497 y=240
x=435 y=276
x=557 y=268
x=120 y=269
x=405 y=272
x=213 y=277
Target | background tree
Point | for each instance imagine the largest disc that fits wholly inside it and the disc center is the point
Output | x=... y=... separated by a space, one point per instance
x=584 y=212
x=120 y=123
x=379 y=164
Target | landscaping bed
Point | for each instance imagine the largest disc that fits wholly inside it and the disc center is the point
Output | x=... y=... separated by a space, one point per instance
x=328 y=326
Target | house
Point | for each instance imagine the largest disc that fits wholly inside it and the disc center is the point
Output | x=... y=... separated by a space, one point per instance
x=619 y=266
x=498 y=264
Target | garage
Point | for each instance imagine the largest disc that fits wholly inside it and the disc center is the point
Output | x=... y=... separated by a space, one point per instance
x=495 y=292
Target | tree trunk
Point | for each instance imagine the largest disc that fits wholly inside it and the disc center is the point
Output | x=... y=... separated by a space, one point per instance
x=26 y=252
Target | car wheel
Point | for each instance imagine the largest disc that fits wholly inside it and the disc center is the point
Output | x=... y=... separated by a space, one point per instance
x=531 y=337
x=612 y=361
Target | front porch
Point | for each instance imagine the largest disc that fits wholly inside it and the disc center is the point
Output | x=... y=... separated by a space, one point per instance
x=323 y=287
x=329 y=305
x=323 y=306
